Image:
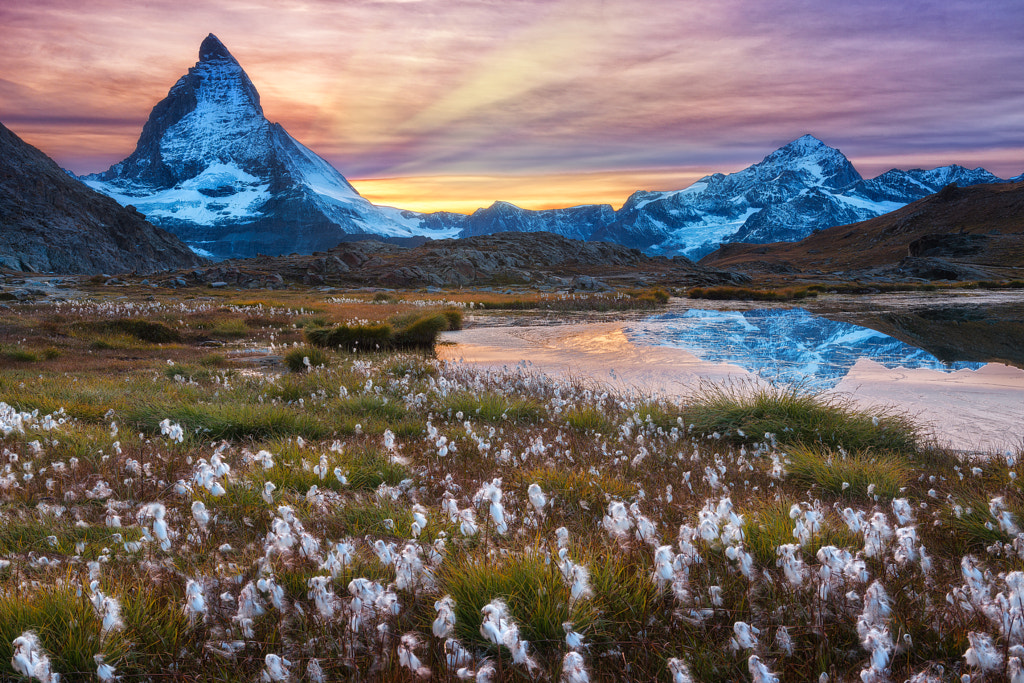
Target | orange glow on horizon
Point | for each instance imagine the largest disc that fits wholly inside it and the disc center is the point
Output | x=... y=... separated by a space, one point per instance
x=466 y=193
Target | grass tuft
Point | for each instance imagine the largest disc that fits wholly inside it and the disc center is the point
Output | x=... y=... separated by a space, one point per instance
x=863 y=475
x=305 y=358
x=795 y=416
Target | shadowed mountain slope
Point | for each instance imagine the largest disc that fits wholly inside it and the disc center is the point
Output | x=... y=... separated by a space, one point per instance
x=51 y=222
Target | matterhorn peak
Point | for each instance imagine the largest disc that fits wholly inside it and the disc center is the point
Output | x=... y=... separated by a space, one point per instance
x=212 y=169
x=212 y=49
x=807 y=141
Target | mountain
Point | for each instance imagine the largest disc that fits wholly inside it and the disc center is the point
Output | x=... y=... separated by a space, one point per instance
x=799 y=188
x=212 y=169
x=958 y=233
x=51 y=222
x=577 y=222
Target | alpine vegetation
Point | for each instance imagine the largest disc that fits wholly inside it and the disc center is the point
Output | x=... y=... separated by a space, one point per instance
x=172 y=510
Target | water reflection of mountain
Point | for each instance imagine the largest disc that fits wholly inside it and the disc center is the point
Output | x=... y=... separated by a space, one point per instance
x=791 y=345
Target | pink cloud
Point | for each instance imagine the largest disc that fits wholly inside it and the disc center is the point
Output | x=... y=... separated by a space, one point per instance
x=462 y=87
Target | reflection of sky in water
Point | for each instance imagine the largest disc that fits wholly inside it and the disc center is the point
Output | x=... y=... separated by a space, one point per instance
x=791 y=346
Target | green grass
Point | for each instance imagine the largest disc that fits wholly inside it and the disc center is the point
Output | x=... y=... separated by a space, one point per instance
x=849 y=475
x=795 y=416
x=417 y=330
x=577 y=496
x=19 y=354
x=492 y=407
x=368 y=517
x=588 y=419
x=370 y=407
x=58 y=536
x=230 y=420
x=363 y=468
x=66 y=624
x=295 y=360
x=188 y=372
x=533 y=589
x=351 y=337
x=969 y=528
x=149 y=331
x=769 y=527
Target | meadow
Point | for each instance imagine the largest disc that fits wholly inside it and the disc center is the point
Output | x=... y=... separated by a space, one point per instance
x=204 y=485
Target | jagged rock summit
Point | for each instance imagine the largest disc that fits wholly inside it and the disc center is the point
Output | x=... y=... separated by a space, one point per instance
x=52 y=223
x=212 y=169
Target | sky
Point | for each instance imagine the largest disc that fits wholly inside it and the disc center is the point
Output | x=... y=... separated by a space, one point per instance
x=453 y=104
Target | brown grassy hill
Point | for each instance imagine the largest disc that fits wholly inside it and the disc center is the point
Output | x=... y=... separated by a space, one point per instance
x=957 y=234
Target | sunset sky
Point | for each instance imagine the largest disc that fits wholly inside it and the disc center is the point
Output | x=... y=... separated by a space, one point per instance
x=452 y=104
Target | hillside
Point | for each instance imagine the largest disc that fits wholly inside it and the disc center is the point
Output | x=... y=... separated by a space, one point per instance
x=956 y=234
x=50 y=222
x=537 y=258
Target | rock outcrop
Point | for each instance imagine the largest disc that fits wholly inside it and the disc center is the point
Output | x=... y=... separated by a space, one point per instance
x=515 y=258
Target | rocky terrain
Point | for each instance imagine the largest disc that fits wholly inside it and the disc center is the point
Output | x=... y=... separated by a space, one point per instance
x=51 y=222
x=970 y=233
x=541 y=259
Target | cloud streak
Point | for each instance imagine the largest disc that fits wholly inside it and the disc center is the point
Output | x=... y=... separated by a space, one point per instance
x=540 y=87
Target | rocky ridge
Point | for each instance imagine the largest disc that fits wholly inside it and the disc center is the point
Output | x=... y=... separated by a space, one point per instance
x=970 y=233
x=52 y=223
x=504 y=259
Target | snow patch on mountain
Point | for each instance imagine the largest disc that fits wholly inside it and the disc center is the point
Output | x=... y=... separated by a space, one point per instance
x=220 y=191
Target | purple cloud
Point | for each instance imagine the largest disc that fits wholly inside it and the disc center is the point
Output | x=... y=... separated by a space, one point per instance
x=440 y=87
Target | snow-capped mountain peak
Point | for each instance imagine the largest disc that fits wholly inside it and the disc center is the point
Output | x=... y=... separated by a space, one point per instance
x=809 y=157
x=801 y=187
x=212 y=169
x=211 y=49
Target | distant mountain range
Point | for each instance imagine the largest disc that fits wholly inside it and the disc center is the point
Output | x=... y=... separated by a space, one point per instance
x=212 y=169
x=958 y=233
x=50 y=222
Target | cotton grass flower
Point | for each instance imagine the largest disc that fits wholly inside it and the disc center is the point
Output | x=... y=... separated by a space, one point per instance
x=104 y=672
x=574 y=669
x=983 y=653
x=30 y=659
x=276 y=668
x=407 y=655
x=444 y=624
x=759 y=672
x=679 y=670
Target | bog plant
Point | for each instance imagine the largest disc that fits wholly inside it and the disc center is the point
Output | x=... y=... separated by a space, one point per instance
x=386 y=516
